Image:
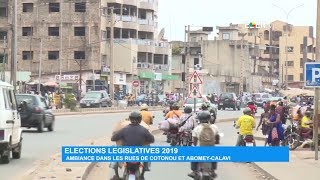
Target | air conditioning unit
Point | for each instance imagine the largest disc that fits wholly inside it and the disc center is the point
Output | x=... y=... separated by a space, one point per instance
x=198 y=66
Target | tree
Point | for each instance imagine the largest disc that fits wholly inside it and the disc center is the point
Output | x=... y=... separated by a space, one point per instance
x=176 y=50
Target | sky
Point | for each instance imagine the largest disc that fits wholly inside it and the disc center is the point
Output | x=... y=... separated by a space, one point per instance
x=174 y=15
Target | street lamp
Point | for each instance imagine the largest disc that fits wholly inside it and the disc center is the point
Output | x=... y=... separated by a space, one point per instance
x=286 y=31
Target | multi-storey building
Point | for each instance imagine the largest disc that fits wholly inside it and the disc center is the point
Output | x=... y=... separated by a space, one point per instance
x=270 y=56
x=72 y=38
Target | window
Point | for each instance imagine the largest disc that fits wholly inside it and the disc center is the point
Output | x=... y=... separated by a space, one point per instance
x=290 y=63
x=290 y=77
x=80 y=7
x=12 y=100
x=27 y=55
x=53 y=55
x=3 y=12
x=54 y=7
x=27 y=7
x=250 y=34
x=3 y=34
x=79 y=31
x=79 y=54
x=193 y=39
x=3 y=57
x=6 y=98
x=43 y=103
x=53 y=31
x=301 y=62
x=196 y=61
x=225 y=36
x=27 y=31
x=301 y=77
x=290 y=49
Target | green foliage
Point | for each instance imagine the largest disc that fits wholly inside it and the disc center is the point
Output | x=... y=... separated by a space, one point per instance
x=70 y=102
x=176 y=50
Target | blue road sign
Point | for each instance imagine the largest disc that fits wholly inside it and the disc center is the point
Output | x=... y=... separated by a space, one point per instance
x=312 y=74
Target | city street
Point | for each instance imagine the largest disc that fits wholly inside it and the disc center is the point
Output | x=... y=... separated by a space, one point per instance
x=72 y=130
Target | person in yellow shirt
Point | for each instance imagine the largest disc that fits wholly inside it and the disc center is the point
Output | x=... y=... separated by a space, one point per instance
x=245 y=124
x=305 y=123
x=174 y=113
x=147 y=116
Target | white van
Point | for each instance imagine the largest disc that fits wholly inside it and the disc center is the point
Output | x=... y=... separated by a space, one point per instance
x=10 y=124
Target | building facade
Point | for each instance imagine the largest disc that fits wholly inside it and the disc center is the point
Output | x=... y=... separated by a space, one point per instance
x=72 y=39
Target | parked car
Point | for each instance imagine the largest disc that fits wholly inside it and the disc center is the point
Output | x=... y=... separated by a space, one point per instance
x=10 y=124
x=96 y=99
x=229 y=100
x=261 y=98
x=35 y=113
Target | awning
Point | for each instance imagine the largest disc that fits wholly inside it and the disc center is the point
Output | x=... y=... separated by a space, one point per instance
x=51 y=84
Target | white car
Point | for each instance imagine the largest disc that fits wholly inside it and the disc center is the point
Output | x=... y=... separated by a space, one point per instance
x=10 y=124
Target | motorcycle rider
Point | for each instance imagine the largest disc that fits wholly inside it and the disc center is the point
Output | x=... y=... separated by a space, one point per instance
x=187 y=120
x=305 y=123
x=174 y=112
x=204 y=118
x=245 y=124
x=147 y=116
x=134 y=135
x=206 y=108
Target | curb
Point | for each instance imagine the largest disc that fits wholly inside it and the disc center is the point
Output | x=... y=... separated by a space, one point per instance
x=88 y=170
x=268 y=175
x=99 y=112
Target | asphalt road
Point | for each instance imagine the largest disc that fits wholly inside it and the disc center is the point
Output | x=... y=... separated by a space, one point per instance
x=226 y=171
x=70 y=130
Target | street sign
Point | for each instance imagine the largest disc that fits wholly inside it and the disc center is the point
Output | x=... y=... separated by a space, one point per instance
x=195 y=93
x=135 y=83
x=312 y=74
x=195 y=78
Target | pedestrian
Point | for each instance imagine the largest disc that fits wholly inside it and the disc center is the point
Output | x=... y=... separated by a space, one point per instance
x=263 y=121
x=276 y=129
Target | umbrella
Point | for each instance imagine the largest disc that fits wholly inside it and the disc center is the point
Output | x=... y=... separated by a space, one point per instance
x=51 y=83
x=123 y=123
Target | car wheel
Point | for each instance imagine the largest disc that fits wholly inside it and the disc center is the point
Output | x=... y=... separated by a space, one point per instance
x=5 y=159
x=51 y=126
x=16 y=152
x=223 y=108
x=110 y=104
x=40 y=126
x=219 y=107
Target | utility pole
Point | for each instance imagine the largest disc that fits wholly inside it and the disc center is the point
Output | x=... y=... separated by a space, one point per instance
x=187 y=85
x=61 y=49
x=13 y=74
x=316 y=98
x=111 y=86
x=40 y=67
x=242 y=62
x=3 y=73
x=184 y=95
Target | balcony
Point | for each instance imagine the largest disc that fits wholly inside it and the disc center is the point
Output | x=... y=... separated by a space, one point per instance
x=148 y=4
x=142 y=65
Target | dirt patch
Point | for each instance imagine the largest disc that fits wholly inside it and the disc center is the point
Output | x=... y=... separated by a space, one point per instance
x=55 y=169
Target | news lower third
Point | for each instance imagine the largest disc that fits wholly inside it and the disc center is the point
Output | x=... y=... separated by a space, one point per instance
x=173 y=154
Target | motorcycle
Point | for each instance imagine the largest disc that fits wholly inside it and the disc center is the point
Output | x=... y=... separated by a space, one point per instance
x=247 y=140
x=205 y=168
x=204 y=172
x=173 y=135
x=132 y=171
x=185 y=138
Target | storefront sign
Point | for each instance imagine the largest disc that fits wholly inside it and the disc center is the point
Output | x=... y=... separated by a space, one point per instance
x=158 y=76
x=67 y=77
x=120 y=79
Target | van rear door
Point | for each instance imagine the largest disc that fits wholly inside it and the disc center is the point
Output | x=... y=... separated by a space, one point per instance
x=7 y=120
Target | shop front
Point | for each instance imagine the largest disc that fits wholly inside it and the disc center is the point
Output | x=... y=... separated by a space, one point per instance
x=155 y=82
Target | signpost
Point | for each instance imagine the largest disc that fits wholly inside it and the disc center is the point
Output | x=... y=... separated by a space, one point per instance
x=135 y=83
x=312 y=79
x=195 y=81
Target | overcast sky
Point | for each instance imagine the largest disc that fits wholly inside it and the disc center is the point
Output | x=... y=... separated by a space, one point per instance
x=173 y=15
